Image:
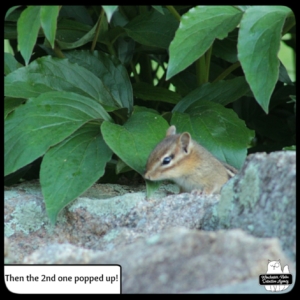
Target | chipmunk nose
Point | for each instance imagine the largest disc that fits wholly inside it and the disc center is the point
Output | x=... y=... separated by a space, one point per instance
x=146 y=175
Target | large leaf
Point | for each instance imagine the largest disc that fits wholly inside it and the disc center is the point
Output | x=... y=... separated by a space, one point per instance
x=43 y=122
x=10 y=11
x=153 y=29
x=10 y=63
x=159 y=9
x=71 y=167
x=78 y=13
x=283 y=75
x=70 y=30
x=216 y=128
x=147 y=91
x=49 y=16
x=223 y=92
x=258 y=46
x=10 y=104
x=198 y=29
x=71 y=34
x=227 y=48
x=134 y=141
x=28 y=28
x=112 y=73
x=48 y=74
x=125 y=50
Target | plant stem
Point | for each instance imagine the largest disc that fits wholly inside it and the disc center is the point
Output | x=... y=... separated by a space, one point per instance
x=111 y=49
x=207 y=60
x=97 y=30
x=201 y=70
x=227 y=71
x=174 y=12
x=57 y=51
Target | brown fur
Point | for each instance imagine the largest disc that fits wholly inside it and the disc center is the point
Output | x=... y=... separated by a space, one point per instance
x=190 y=165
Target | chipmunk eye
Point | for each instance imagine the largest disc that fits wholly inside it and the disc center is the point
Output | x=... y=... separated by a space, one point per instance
x=167 y=160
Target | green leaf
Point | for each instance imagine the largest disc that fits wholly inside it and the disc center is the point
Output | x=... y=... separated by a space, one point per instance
x=49 y=16
x=112 y=73
x=43 y=122
x=103 y=30
x=146 y=91
x=121 y=167
x=283 y=75
x=222 y=92
x=112 y=35
x=70 y=30
x=137 y=109
x=290 y=148
x=10 y=10
x=198 y=29
x=48 y=74
x=70 y=34
x=242 y=7
x=71 y=167
x=134 y=141
x=125 y=50
x=258 y=46
x=109 y=10
x=293 y=97
x=121 y=18
x=227 y=48
x=78 y=13
x=8 y=48
x=216 y=128
x=159 y=9
x=11 y=104
x=10 y=63
x=29 y=22
x=153 y=29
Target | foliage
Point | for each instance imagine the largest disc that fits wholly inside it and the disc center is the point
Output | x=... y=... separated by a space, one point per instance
x=88 y=84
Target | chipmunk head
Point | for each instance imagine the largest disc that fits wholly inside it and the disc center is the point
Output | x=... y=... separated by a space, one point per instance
x=165 y=160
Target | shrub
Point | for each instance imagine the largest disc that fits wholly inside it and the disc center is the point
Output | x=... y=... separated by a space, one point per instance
x=91 y=82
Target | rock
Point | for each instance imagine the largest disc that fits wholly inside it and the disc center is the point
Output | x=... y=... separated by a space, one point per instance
x=178 y=260
x=116 y=224
x=261 y=200
x=95 y=223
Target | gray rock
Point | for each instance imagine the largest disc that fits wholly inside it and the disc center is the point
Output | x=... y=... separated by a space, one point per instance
x=178 y=260
x=116 y=224
x=95 y=223
x=261 y=200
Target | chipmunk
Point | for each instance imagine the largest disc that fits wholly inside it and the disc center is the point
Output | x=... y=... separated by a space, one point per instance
x=181 y=159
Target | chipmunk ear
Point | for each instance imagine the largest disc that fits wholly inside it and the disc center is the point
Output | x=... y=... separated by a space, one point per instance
x=185 y=140
x=171 y=130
